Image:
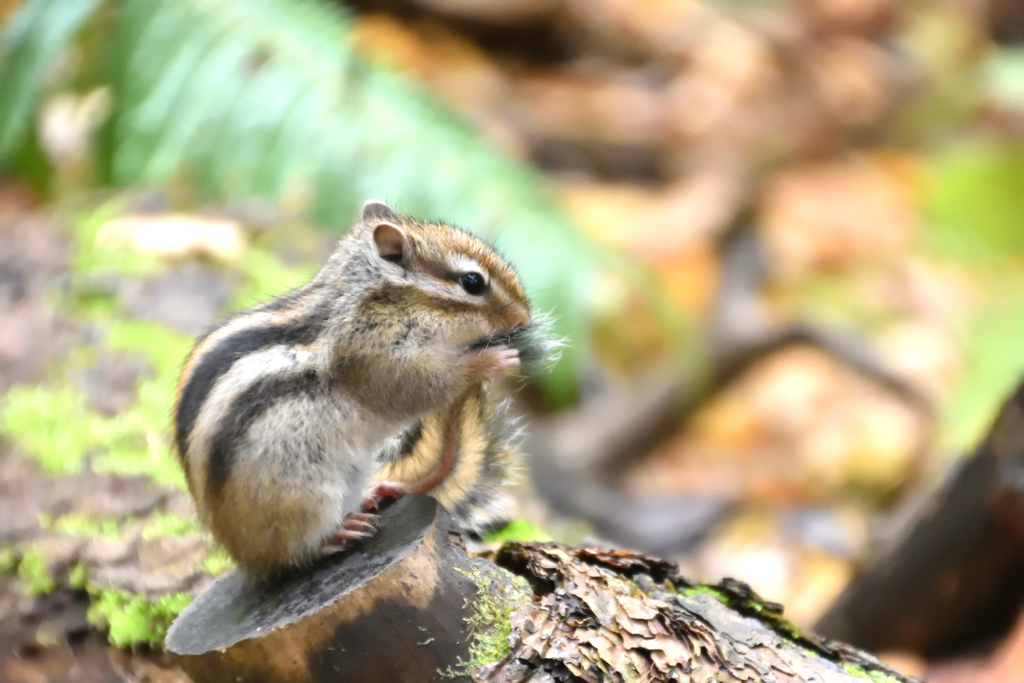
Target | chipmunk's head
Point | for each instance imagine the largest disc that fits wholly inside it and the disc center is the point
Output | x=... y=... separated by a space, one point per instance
x=453 y=291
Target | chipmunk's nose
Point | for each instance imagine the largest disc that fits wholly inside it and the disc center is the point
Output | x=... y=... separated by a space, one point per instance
x=515 y=316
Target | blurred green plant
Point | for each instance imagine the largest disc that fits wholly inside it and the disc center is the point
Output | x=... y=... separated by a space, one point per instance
x=51 y=422
x=975 y=210
x=264 y=98
x=974 y=201
x=32 y=41
x=1004 y=71
x=34 y=573
x=134 y=619
x=518 y=530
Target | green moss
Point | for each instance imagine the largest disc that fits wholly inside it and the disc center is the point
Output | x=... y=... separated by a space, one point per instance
x=749 y=604
x=705 y=590
x=34 y=573
x=217 y=561
x=51 y=425
x=869 y=674
x=89 y=299
x=8 y=560
x=489 y=624
x=138 y=447
x=89 y=258
x=752 y=605
x=133 y=619
x=79 y=577
x=140 y=436
x=518 y=530
x=165 y=524
x=79 y=524
x=163 y=347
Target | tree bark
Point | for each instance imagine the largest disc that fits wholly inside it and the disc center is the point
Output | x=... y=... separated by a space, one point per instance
x=411 y=605
x=954 y=581
x=605 y=615
x=394 y=610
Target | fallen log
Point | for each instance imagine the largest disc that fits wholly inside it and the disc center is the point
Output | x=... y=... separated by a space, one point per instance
x=953 y=581
x=395 y=610
x=606 y=615
x=412 y=605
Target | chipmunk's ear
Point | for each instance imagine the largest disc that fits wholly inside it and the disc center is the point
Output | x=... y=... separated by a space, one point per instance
x=374 y=209
x=390 y=241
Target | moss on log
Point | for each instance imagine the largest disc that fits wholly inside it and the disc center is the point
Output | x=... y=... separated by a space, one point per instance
x=605 y=615
x=411 y=605
x=394 y=610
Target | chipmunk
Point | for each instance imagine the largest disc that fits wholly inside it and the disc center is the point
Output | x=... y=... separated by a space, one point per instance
x=462 y=457
x=295 y=419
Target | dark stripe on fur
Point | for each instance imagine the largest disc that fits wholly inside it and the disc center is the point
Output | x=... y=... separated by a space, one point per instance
x=409 y=440
x=275 y=304
x=243 y=411
x=476 y=514
x=218 y=360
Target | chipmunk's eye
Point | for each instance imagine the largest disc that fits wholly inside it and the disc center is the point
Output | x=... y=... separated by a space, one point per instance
x=473 y=283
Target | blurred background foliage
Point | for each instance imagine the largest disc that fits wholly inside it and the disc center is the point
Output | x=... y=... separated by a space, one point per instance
x=242 y=100
x=166 y=162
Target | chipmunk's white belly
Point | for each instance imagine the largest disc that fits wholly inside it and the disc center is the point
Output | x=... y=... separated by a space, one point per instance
x=319 y=443
x=355 y=435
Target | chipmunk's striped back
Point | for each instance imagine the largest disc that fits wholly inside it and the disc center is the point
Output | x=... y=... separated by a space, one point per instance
x=294 y=320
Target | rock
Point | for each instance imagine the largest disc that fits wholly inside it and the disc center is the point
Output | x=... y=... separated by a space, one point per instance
x=32 y=336
x=103 y=552
x=174 y=235
x=190 y=298
x=110 y=384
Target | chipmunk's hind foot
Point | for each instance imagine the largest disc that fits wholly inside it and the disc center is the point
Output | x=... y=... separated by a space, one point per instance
x=382 y=495
x=356 y=527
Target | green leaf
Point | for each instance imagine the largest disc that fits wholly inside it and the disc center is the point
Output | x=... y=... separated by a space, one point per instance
x=31 y=42
x=1005 y=74
x=974 y=201
x=518 y=530
x=975 y=207
x=995 y=355
x=264 y=98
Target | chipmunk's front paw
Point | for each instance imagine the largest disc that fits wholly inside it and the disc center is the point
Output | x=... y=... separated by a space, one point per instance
x=357 y=526
x=499 y=361
x=381 y=495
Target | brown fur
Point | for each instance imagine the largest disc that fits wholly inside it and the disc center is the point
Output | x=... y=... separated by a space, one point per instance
x=281 y=412
x=486 y=453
